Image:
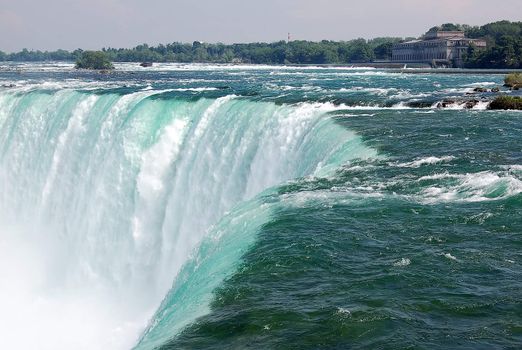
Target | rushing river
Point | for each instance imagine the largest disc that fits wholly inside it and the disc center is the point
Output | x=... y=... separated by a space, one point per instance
x=215 y=207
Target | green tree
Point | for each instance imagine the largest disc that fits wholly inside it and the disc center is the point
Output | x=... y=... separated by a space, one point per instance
x=94 y=60
x=383 y=51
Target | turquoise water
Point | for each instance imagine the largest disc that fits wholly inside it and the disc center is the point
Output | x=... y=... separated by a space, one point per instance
x=202 y=207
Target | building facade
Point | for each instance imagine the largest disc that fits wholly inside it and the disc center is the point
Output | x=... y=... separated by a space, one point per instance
x=438 y=48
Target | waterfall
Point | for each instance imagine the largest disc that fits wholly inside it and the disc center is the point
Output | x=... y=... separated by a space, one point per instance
x=114 y=203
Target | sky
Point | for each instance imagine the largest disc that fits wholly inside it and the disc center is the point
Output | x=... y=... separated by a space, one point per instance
x=93 y=24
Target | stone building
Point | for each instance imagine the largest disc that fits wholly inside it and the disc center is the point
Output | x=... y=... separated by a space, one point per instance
x=443 y=48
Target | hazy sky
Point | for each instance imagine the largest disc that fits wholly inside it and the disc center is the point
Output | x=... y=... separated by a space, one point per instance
x=93 y=24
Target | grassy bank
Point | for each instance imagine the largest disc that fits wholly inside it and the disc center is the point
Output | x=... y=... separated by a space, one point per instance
x=506 y=102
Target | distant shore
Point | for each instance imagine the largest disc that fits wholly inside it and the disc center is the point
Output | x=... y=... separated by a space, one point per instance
x=502 y=49
x=391 y=67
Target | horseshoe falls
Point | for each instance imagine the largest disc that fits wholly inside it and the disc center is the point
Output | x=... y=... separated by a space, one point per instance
x=211 y=206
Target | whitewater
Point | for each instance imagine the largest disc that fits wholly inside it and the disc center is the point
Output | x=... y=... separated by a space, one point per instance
x=136 y=207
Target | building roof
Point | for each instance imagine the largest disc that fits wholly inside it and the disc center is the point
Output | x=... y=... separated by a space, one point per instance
x=444 y=34
x=455 y=38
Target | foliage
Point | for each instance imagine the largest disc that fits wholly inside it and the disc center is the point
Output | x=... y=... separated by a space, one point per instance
x=382 y=47
x=94 y=60
x=504 y=49
x=506 y=102
x=513 y=80
x=450 y=27
x=281 y=52
x=33 y=56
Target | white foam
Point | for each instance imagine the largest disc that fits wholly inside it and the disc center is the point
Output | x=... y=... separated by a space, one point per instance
x=200 y=89
x=460 y=91
x=401 y=105
x=475 y=187
x=402 y=263
x=369 y=90
x=481 y=84
x=481 y=106
x=344 y=311
x=440 y=176
x=462 y=105
x=172 y=67
x=426 y=161
x=292 y=88
x=450 y=257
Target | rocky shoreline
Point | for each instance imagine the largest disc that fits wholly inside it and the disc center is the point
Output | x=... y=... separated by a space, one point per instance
x=496 y=98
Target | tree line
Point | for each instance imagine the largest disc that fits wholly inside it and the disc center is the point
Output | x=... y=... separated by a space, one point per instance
x=504 y=50
x=504 y=46
x=294 y=52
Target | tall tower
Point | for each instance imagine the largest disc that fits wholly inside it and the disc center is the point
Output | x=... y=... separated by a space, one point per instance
x=289 y=37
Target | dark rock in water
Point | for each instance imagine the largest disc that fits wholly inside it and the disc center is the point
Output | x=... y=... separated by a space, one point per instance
x=506 y=102
x=446 y=103
x=513 y=86
x=480 y=89
x=146 y=64
x=224 y=87
x=471 y=104
x=420 y=104
x=468 y=104
x=495 y=89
